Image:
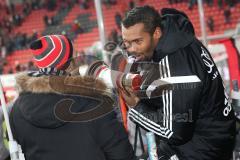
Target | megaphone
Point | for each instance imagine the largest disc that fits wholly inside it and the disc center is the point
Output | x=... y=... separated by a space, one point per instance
x=113 y=78
x=153 y=81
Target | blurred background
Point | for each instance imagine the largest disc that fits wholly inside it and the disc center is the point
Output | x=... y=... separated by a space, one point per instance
x=23 y=21
x=90 y=24
x=216 y=23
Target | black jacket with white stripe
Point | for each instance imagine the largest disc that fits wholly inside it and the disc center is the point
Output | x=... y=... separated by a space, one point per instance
x=196 y=119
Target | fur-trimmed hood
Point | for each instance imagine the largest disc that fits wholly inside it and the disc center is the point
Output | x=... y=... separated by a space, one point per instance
x=86 y=86
x=40 y=96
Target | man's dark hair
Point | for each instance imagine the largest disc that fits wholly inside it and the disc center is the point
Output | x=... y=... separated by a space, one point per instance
x=146 y=15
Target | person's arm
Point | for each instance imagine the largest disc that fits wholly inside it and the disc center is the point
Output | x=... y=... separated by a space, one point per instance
x=177 y=111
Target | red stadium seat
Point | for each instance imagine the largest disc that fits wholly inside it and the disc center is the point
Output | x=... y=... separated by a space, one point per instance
x=35 y=22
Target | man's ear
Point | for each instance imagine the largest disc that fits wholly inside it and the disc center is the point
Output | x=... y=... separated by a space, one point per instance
x=157 y=33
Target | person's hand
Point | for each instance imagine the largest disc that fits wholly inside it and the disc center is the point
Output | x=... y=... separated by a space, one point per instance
x=129 y=96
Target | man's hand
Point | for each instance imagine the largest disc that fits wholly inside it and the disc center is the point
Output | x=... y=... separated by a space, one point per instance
x=129 y=96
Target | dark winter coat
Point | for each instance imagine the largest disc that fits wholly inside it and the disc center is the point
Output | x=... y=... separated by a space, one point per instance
x=67 y=118
x=196 y=120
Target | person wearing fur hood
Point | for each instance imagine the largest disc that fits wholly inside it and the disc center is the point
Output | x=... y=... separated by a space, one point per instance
x=59 y=116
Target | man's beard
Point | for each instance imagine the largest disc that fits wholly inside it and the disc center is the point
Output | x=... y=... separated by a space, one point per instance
x=149 y=53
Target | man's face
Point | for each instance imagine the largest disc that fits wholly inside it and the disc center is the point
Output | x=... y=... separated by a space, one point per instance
x=138 y=42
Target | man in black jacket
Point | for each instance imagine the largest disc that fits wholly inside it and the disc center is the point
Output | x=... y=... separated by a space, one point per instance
x=194 y=121
x=62 y=117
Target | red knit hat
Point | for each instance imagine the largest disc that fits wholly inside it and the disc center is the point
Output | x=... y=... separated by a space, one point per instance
x=52 y=51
